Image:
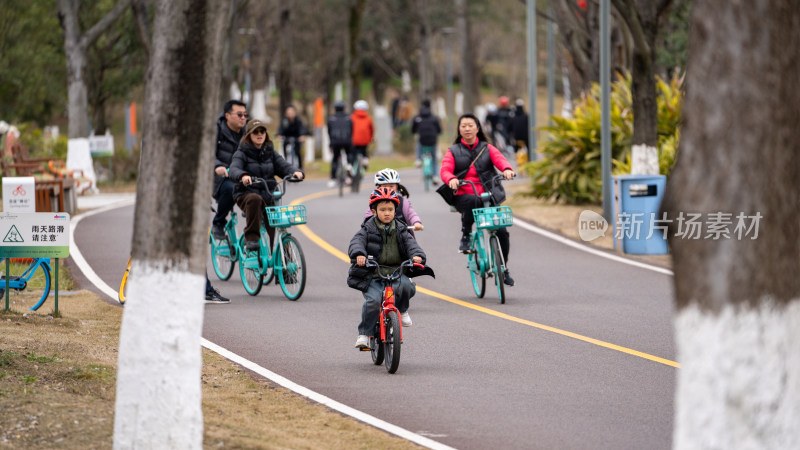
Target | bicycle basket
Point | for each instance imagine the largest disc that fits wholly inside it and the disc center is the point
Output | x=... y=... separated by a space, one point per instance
x=286 y=216
x=493 y=218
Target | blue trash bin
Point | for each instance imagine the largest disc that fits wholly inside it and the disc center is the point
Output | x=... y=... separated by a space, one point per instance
x=639 y=202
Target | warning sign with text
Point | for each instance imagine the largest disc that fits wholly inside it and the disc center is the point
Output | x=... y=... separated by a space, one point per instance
x=34 y=235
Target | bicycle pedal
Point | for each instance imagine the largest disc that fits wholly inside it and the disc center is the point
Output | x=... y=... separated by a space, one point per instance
x=364 y=349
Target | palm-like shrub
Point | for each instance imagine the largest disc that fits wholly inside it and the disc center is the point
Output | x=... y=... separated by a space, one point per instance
x=569 y=170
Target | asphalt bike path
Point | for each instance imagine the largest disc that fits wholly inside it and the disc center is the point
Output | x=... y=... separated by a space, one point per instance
x=580 y=356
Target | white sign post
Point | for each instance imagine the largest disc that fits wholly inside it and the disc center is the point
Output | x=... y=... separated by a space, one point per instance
x=19 y=194
x=33 y=235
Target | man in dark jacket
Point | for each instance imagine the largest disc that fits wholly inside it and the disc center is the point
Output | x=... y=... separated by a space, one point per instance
x=388 y=242
x=340 y=132
x=230 y=128
x=294 y=132
x=426 y=125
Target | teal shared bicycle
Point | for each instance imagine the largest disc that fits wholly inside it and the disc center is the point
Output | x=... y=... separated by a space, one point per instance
x=485 y=258
x=427 y=166
x=285 y=260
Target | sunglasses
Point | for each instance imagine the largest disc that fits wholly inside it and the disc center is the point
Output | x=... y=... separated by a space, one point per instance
x=259 y=131
x=240 y=114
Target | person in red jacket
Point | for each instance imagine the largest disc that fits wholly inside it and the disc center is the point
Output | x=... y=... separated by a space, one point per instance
x=363 y=130
x=472 y=158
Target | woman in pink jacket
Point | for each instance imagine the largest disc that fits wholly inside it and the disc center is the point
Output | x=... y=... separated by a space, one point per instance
x=472 y=158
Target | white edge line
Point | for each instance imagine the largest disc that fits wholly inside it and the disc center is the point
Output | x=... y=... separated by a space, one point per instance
x=319 y=398
x=585 y=248
x=90 y=274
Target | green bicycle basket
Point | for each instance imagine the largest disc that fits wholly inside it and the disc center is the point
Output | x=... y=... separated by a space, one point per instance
x=286 y=216
x=493 y=218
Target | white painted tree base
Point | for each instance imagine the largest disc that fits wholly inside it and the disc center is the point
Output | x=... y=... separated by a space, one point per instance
x=158 y=401
x=739 y=381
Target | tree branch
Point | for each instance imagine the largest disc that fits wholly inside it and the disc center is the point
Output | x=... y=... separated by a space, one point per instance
x=142 y=21
x=631 y=17
x=104 y=23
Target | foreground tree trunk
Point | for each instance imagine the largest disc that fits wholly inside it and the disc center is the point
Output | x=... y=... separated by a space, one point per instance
x=75 y=46
x=738 y=297
x=158 y=402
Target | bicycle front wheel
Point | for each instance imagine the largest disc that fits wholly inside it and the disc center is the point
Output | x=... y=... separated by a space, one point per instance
x=250 y=270
x=393 y=342
x=33 y=281
x=293 y=275
x=223 y=258
x=476 y=274
x=497 y=267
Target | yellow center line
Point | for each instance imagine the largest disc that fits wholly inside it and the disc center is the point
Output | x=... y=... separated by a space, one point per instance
x=343 y=256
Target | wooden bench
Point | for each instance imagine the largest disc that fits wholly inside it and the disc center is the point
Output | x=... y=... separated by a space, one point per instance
x=50 y=195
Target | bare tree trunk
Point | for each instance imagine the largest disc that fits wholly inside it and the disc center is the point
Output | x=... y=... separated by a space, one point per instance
x=642 y=18
x=354 y=56
x=467 y=52
x=285 y=57
x=425 y=70
x=75 y=45
x=158 y=403
x=227 y=53
x=738 y=297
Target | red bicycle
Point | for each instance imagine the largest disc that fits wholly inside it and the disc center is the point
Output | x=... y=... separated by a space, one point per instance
x=384 y=344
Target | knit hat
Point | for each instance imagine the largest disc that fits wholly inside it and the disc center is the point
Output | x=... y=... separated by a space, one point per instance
x=252 y=126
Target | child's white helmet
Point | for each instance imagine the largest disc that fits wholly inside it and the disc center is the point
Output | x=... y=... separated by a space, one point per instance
x=387 y=176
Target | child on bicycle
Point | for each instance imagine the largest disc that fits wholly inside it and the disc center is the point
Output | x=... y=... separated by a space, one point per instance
x=405 y=212
x=389 y=243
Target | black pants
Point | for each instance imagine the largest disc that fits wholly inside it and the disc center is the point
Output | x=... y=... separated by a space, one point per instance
x=296 y=150
x=465 y=204
x=337 y=153
x=360 y=148
x=253 y=206
x=224 y=202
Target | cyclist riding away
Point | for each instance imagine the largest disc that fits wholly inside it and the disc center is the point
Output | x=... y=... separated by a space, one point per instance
x=405 y=213
x=427 y=128
x=472 y=158
x=363 y=129
x=389 y=243
x=256 y=157
x=340 y=132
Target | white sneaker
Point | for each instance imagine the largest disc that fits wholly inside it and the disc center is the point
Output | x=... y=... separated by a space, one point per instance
x=331 y=183
x=365 y=163
x=362 y=341
x=405 y=318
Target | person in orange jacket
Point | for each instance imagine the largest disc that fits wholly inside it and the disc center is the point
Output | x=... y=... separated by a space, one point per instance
x=363 y=130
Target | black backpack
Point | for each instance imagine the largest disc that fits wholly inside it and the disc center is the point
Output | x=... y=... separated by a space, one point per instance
x=340 y=130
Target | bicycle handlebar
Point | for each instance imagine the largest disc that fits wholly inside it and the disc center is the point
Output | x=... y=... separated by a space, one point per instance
x=397 y=271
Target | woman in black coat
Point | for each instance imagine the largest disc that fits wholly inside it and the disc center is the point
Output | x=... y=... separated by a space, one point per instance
x=256 y=158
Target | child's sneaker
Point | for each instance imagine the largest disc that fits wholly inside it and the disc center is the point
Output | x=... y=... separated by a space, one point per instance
x=362 y=342
x=405 y=318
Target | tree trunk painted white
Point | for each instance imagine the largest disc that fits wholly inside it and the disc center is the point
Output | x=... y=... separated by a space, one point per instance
x=739 y=381
x=644 y=160
x=738 y=294
x=158 y=402
x=75 y=47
